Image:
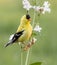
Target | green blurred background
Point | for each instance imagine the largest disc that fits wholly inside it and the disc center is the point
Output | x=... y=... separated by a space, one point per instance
x=45 y=49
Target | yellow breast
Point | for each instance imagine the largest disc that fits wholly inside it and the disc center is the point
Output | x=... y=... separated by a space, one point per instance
x=27 y=34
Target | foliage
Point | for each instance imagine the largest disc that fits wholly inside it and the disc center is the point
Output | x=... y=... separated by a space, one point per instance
x=36 y=63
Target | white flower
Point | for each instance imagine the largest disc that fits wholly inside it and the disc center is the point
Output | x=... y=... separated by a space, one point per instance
x=46 y=7
x=46 y=10
x=11 y=36
x=36 y=8
x=37 y=28
x=34 y=39
x=46 y=4
x=26 y=4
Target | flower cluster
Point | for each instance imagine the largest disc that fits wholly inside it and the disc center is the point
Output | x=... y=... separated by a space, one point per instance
x=26 y=4
x=33 y=40
x=43 y=9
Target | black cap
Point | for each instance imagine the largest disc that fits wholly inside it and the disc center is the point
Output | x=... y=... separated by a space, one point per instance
x=27 y=16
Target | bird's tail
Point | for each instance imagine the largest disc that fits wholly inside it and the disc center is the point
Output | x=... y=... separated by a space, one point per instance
x=9 y=43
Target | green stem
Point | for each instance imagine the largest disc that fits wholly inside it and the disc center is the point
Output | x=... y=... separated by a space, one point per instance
x=21 y=57
x=34 y=18
x=34 y=15
x=27 y=57
x=21 y=53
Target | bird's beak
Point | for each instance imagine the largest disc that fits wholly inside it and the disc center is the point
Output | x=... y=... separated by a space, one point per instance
x=29 y=19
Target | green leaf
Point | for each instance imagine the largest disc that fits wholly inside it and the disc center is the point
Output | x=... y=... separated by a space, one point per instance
x=34 y=33
x=36 y=63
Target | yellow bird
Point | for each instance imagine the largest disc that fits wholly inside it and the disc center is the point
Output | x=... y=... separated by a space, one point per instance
x=24 y=31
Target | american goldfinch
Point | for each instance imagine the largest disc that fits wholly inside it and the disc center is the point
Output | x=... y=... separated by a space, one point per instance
x=23 y=32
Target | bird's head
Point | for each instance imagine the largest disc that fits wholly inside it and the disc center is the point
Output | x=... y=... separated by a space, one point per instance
x=26 y=19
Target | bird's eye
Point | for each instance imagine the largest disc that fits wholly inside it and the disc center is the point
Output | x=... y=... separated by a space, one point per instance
x=27 y=16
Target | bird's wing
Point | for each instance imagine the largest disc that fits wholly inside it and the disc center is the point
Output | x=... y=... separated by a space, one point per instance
x=14 y=37
x=17 y=35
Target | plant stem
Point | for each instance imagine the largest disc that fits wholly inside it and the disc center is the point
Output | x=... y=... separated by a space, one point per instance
x=21 y=56
x=34 y=19
x=34 y=15
x=27 y=57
